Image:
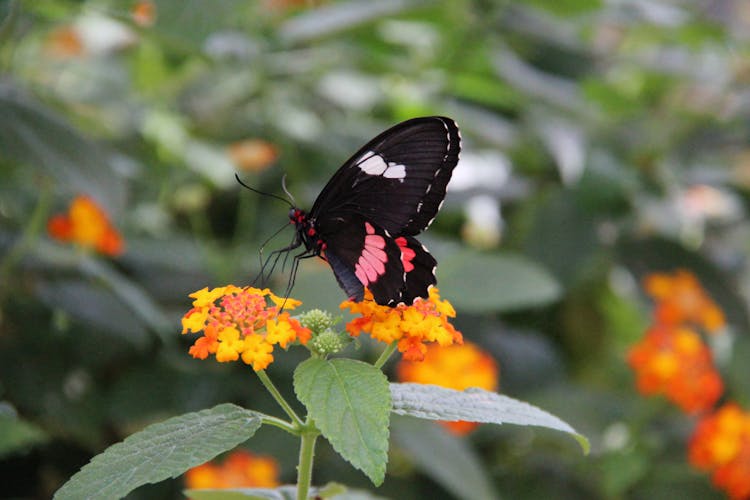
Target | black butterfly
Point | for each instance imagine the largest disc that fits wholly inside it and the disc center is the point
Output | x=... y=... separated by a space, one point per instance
x=364 y=221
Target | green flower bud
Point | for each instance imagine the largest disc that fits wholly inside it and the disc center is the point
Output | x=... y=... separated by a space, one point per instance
x=317 y=321
x=328 y=342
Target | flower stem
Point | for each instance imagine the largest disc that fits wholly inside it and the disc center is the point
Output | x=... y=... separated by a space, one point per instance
x=281 y=424
x=279 y=398
x=385 y=355
x=306 y=457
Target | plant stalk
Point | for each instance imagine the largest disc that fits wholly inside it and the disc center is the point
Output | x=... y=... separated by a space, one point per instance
x=279 y=398
x=385 y=355
x=306 y=458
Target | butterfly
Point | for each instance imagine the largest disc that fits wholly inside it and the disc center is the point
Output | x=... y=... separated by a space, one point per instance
x=365 y=219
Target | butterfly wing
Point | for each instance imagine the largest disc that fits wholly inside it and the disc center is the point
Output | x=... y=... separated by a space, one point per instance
x=397 y=181
x=364 y=255
x=419 y=269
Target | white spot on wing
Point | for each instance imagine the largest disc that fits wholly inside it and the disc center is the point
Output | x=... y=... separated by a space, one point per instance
x=373 y=164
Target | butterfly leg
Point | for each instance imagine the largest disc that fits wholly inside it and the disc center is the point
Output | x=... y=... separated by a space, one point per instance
x=273 y=259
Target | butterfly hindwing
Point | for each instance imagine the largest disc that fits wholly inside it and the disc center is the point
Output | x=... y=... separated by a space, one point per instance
x=396 y=181
x=364 y=255
x=419 y=269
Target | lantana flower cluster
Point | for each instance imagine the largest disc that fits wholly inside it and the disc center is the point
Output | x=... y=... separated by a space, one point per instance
x=721 y=445
x=240 y=469
x=240 y=323
x=426 y=320
x=458 y=367
x=672 y=358
x=87 y=225
x=675 y=361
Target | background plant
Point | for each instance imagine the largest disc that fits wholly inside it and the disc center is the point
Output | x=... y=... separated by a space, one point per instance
x=602 y=141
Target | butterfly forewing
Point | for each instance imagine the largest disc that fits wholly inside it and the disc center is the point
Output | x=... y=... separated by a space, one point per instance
x=396 y=181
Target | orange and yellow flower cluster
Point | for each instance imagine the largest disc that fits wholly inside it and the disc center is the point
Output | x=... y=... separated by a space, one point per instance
x=680 y=300
x=87 y=225
x=241 y=469
x=672 y=358
x=240 y=323
x=721 y=445
x=455 y=367
x=675 y=362
x=411 y=326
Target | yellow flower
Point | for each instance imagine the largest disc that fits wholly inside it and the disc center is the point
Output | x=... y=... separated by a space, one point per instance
x=411 y=326
x=455 y=367
x=238 y=323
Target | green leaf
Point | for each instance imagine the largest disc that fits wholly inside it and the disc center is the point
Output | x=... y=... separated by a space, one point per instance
x=447 y=459
x=161 y=451
x=473 y=405
x=17 y=435
x=34 y=135
x=483 y=282
x=350 y=403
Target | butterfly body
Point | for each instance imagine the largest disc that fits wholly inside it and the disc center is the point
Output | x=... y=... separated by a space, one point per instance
x=364 y=221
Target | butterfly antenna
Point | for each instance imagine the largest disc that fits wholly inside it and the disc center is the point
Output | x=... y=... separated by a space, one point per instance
x=236 y=176
x=283 y=186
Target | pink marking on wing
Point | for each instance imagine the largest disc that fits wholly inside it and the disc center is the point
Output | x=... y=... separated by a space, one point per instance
x=371 y=262
x=407 y=254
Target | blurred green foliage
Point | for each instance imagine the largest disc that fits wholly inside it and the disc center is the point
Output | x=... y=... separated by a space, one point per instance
x=604 y=140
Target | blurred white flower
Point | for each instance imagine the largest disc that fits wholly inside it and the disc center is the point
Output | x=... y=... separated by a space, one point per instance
x=485 y=169
x=484 y=225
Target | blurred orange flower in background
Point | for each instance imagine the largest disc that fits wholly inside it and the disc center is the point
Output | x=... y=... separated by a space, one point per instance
x=86 y=224
x=455 y=367
x=675 y=362
x=412 y=326
x=239 y=323
x=253 y=155
x=64 y=43
x=143 y=13
x=680 y=299
x=721 y=445
x=241 y=469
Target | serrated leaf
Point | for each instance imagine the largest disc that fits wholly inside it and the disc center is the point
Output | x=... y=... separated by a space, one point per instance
x=350 y=403
x=161 y=451
x=448 y=460
x=474 y=405
x=482 y=282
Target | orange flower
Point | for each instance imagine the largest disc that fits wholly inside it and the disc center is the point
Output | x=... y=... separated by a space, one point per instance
x=87 y=225
x=64 y=43
x=411 y=326
x=143 y=13
x=239 y=323
x=681 y=299
x=253 y=155
x=721 y=444
x=455 y=367
x=675 y=362
x=241 y=469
